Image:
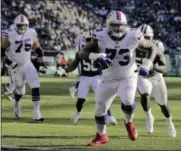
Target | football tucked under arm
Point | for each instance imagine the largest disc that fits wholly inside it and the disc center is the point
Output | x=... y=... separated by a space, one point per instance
x=90 y=51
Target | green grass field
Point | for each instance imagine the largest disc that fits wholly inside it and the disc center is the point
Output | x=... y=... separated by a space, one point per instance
x=58 y=133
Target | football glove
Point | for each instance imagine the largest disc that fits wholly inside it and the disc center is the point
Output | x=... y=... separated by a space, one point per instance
x=43 y=68
x=145 y=68
x=103 y=63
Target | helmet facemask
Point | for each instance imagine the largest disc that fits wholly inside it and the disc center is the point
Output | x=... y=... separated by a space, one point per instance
x=21 y=28
x=117 y=29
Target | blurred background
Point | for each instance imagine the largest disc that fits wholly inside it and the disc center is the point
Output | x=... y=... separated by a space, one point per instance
x=59 y=22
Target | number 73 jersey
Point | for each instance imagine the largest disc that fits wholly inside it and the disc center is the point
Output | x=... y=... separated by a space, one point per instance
x=121 y=52
x=20 y=47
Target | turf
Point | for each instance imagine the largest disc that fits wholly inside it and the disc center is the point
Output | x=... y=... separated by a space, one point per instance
x=58 y=133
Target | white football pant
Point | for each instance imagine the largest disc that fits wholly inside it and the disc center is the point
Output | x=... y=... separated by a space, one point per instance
x=154 y=86
x=25 y=72
x=86 y=83
x=108 y=90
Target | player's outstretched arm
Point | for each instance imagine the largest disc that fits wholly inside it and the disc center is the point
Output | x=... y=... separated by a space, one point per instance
x=73 y=65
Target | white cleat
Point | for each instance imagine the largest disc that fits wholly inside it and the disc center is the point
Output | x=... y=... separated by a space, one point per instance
x=37 y=116
x=8 y=96
x=72 y=91
x=149 y=124
x=17 y=110
x=171 y=130
x=111 y=120
x=75 y=117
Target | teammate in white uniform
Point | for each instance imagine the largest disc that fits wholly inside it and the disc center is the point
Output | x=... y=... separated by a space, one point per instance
x=117 y=44
x=154 y=84
x=90 y=77
x=19 y=42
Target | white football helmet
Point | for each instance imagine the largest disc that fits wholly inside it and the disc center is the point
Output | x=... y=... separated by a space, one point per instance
x=116 y=23
x=21 y=24
x=147 y=31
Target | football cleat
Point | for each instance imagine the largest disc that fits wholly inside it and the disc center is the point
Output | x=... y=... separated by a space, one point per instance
x=132 y=133
x=37 y=116
x=17 y=110
x=98 y=140
x=149 y=124
x=8 y=96
x=111 y=120
x=39 y=120
x=75 y=117
x=72 y=91
x=171 y=130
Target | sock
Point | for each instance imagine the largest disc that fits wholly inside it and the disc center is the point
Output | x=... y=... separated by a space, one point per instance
x=109 y=112
x=128 y=117
x=101 y=129
x=149 y=113
x=17 y=97
x=79 y=104
x=169 y=120
x=165 y=110
x=36 y=99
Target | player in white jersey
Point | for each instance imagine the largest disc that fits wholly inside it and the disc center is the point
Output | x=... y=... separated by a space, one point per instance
x=19 y=42
x=90 y=77
x=115 y=54
x=154 y=83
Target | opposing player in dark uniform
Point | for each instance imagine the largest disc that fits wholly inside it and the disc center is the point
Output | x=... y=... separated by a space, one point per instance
x=90 y=77
x=154 y=83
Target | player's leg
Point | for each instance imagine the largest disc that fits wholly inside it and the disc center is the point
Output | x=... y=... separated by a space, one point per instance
x=160 y=95
x=106 y=93
x=127 y=90
x=32 y=77
x=145 y=89
x=94 y=84
x=73 y=89
x=19 y=82
x=83 y=89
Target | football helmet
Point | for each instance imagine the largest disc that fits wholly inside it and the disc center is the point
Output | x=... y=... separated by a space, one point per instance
x=21 y=24
x=147 y=31
x=116 y=23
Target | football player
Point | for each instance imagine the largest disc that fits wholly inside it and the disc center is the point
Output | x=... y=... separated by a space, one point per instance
x=114 y=52
x=154 y=83
x=18 y=43
x=90 y=77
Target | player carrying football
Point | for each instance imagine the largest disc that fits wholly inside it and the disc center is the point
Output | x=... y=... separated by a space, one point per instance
x=18 y=43
x=116 y=46
x=154 y=83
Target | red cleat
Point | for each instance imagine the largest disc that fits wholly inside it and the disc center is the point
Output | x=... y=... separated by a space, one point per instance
x=98 y=140
x=132 y=133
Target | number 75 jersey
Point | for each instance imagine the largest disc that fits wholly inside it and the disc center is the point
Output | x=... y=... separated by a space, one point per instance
x=121 y=52
x=20 y=47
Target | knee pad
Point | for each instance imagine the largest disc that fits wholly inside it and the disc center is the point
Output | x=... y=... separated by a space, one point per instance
x=35 y=94
x=128 y=109
x=101 y=119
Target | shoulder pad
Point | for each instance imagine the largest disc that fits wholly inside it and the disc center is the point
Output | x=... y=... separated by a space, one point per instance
x=160 y=45
x=33 y=32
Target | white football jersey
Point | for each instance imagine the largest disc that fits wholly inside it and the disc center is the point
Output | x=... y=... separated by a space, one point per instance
x=20 y=47
x=121 y=52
